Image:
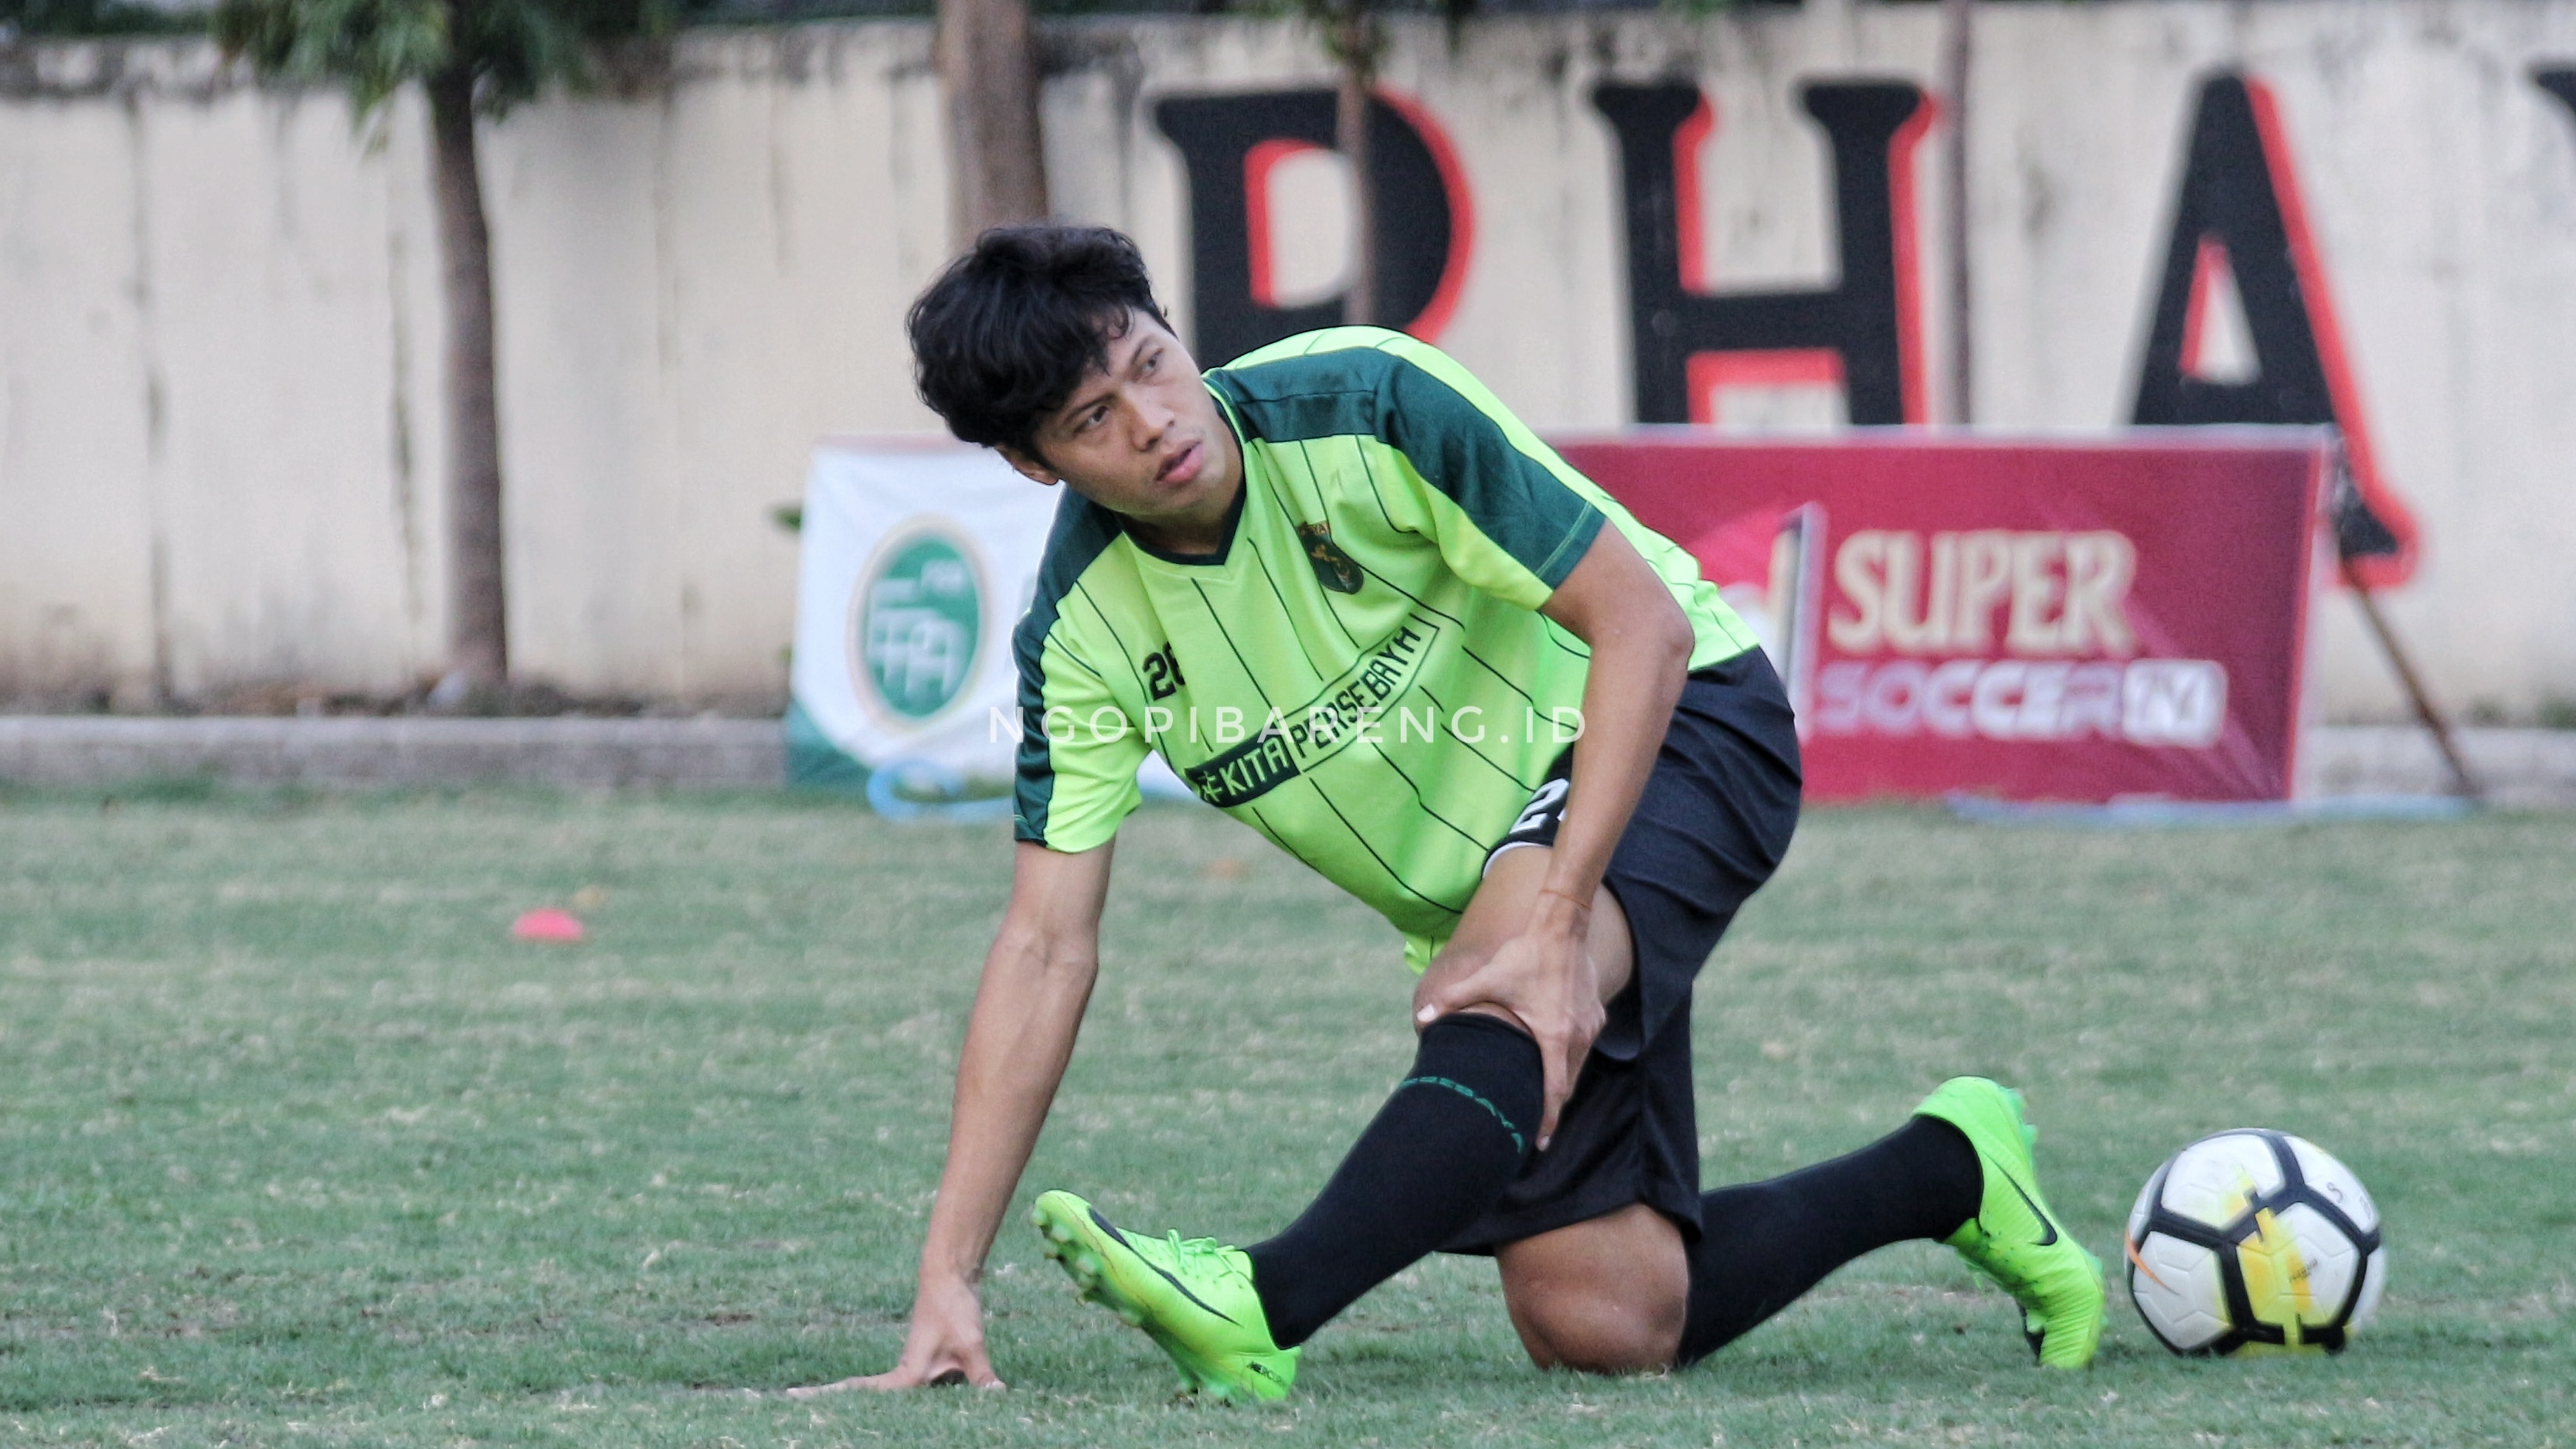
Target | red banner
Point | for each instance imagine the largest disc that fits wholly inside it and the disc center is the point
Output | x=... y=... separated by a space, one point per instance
x=2035 y=620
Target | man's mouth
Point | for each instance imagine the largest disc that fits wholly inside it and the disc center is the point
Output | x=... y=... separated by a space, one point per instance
x=1182 y=466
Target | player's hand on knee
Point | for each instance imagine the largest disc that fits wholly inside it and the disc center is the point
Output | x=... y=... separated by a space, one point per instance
x=1544 y=981
x=945 y=1346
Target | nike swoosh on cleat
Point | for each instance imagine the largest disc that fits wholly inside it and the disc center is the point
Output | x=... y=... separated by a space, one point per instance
x=1112 y=1230
x=2049 y=1227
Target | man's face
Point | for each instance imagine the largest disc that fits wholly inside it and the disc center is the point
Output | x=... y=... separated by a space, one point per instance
x=1143 y=437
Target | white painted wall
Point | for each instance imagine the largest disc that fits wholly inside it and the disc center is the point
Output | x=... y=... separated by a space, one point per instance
x=220 y=329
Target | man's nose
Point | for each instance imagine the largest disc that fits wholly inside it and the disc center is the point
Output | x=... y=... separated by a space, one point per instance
x=1153 y=419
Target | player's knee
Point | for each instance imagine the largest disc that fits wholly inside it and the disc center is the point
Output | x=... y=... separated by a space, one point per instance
x=1452 y=963
x=1542 y=1355
x=1597 y=1335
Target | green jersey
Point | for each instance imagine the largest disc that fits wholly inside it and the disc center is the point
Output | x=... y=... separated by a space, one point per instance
x=1361 y=673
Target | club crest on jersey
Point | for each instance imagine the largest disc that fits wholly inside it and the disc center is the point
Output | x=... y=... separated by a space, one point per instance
x=1334 y=569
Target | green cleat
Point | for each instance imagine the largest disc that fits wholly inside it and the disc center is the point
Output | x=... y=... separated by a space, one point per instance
x=2014 y=1238
x=1194 y=1298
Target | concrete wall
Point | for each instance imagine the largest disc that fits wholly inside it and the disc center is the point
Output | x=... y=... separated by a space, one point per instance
x=221 y=341
x=220 y=329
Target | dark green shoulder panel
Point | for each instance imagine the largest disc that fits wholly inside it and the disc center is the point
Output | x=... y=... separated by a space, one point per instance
x=1457 y=446
x=1083 y=531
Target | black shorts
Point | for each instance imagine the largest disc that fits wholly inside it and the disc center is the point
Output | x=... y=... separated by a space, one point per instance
x=1712 y=825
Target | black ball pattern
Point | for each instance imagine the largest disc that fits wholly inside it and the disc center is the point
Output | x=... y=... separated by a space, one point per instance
x=2225 y=1242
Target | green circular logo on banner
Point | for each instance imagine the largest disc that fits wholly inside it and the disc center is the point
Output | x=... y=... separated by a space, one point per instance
x=920 y=620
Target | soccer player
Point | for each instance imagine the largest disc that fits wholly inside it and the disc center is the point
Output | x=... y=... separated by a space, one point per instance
x=1362 y=609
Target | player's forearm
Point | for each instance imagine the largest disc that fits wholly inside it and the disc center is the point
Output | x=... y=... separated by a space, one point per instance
x=1641 y=647
x=1018 y=1040
x=1639 y=659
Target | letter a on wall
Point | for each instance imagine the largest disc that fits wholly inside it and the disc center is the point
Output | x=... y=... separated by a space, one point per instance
x=1423 y=218
x=2238 y=218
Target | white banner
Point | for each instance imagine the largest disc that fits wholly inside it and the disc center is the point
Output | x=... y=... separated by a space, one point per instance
x=920 y=554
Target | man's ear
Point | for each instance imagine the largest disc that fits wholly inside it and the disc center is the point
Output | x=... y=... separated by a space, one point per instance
x=1033 y=469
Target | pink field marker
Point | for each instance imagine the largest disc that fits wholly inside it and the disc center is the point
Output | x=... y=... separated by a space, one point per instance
x=548 y=924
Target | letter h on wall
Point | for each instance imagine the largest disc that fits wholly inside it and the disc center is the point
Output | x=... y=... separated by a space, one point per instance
x=1864 y=331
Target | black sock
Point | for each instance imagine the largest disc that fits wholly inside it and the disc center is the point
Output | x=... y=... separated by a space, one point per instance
x=1445 y=1145
x=1765 y=1243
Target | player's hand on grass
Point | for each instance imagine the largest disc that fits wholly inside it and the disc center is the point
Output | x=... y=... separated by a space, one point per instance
x=1544 y=978
x=945 y=1346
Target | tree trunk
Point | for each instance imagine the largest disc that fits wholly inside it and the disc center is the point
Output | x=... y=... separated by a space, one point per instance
x=477 y=615
x=1351 y=138
x=988 y=70
x=1957 y=41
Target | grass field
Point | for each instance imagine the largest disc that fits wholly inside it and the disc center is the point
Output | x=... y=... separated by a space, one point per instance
x=296 y=1147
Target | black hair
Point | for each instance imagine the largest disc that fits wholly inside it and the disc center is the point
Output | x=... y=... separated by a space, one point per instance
x=1010 y=329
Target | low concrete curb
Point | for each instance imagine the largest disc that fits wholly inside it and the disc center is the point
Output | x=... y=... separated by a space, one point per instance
x=2523 y=768
x=2520 y=767
x=80 y=750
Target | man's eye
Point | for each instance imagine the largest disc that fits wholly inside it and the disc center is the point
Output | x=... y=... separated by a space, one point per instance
x=1091 y=419
x=1152 y=361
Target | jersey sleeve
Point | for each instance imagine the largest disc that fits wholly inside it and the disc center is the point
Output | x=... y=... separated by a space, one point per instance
x=1079 y=747
x=1447 y=461
x=1509 y=515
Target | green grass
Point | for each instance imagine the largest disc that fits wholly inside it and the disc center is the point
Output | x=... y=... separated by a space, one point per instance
x=296 y=1147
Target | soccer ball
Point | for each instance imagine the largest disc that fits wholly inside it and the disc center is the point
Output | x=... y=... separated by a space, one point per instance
x=2254 y=1241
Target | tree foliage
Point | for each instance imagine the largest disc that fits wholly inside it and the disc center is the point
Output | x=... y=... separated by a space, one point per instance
x=89 y=17
x=514 y=48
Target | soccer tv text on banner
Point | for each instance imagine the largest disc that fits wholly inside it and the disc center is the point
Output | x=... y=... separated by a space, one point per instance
x=2031 y=620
